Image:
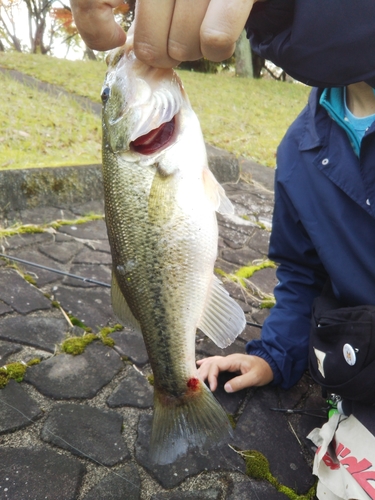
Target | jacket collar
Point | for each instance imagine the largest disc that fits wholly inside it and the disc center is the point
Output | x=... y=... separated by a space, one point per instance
x=310 y=138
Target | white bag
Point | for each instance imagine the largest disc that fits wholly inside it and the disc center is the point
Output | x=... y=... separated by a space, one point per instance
x=345 y=460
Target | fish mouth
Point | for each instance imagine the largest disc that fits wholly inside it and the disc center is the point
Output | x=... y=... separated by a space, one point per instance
x=155 y=140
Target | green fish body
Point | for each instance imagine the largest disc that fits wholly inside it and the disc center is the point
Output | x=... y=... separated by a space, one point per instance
x=160 y=203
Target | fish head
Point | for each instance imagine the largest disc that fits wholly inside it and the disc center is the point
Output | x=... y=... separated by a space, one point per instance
x=140 y=104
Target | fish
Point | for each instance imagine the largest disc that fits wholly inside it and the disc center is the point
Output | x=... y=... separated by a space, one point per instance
x=161 y=201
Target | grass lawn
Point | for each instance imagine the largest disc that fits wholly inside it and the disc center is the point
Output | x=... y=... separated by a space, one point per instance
x=244 y=116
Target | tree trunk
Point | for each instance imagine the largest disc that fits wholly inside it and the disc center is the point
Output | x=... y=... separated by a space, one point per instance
x=89 y=53
x=244 y=66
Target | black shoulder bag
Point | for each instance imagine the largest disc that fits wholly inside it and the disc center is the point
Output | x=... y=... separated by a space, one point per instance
x=342 y=348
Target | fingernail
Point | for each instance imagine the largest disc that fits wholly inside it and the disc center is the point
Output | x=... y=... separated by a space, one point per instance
x=228 y=387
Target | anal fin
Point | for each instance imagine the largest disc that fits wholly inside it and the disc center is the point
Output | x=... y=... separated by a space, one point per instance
x=222 y=319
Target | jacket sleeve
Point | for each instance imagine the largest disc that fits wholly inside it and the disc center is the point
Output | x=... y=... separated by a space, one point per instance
x=320 y=43
x=285 y=333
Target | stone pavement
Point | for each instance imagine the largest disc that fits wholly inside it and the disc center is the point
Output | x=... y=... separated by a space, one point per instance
x=77 y=426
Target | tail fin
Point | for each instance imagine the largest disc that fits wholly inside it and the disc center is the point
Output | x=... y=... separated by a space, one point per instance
x=195 y=420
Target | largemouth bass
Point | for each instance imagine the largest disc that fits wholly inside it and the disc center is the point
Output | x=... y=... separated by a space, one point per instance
x=160 y=203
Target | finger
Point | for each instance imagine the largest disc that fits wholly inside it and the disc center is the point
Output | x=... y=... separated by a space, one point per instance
x=96 y=23
x=239 y=383
x=184 y=35
x=222 y=26
x=209 y=370
x=151 y=31
x=260 y=374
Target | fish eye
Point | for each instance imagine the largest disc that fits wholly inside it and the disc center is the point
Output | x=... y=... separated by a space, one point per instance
x=105 y=94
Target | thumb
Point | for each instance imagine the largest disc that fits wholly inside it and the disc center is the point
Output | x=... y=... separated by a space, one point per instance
x=239 y=383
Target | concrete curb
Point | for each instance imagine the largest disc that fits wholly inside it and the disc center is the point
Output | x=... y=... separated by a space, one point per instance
x=66 y=186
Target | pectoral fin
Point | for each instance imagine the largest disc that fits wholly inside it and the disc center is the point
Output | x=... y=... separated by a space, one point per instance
x=223 y=319
x=215 y=192
x=120 y=307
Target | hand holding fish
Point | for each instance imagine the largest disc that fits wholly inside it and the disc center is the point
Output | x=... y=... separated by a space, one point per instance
x=170 y=31
x=254 y=371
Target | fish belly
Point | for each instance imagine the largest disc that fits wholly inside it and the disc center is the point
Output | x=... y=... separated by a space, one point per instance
x=163 y=260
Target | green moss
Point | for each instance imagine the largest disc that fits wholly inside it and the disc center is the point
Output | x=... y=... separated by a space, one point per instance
x=248 y=271
x=151 y=379
x=29 y=279
x=82 y=220
x=220 y=272
x=14 y=371
x=12 y=231
x=231 y=420
x=33 y=362
x=32 y=228
x=267 y=304
x=77 y=322
x=3 y=378
x=106 y=331
x=77 y=345
x=257 y=467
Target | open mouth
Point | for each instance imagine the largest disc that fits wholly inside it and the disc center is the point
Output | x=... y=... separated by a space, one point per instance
x=155 y=139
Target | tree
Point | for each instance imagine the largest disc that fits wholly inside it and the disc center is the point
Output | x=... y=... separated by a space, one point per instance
x=244 y=65
x=9 y=9
x=65 y=26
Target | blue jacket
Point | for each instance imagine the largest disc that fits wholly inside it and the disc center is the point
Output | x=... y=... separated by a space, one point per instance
x=323 y=224
x=323 y=43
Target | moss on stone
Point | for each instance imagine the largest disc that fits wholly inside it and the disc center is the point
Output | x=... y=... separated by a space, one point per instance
x=257 y=467
x=15 y=371
x=3 y=378
x=33 y=228
x=106 y=331
x=82 y=220
x=248 y=271
x=30 y=279
x=77 y=345
x=267 y=304
x=34 y=361
x=151 y=379
x=231 y=420
x=220 y=272
x=77 y=322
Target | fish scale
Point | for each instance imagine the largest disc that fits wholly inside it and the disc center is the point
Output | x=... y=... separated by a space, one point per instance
x=162 y=228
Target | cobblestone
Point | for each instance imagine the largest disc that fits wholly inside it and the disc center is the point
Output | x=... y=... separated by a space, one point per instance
x=78 y=427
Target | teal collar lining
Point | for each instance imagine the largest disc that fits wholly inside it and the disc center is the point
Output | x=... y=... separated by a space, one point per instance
x=332 y=99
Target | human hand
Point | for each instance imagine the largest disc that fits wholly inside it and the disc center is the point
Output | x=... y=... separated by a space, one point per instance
x=254 y=371
x=96 y=24
x=167 y=32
